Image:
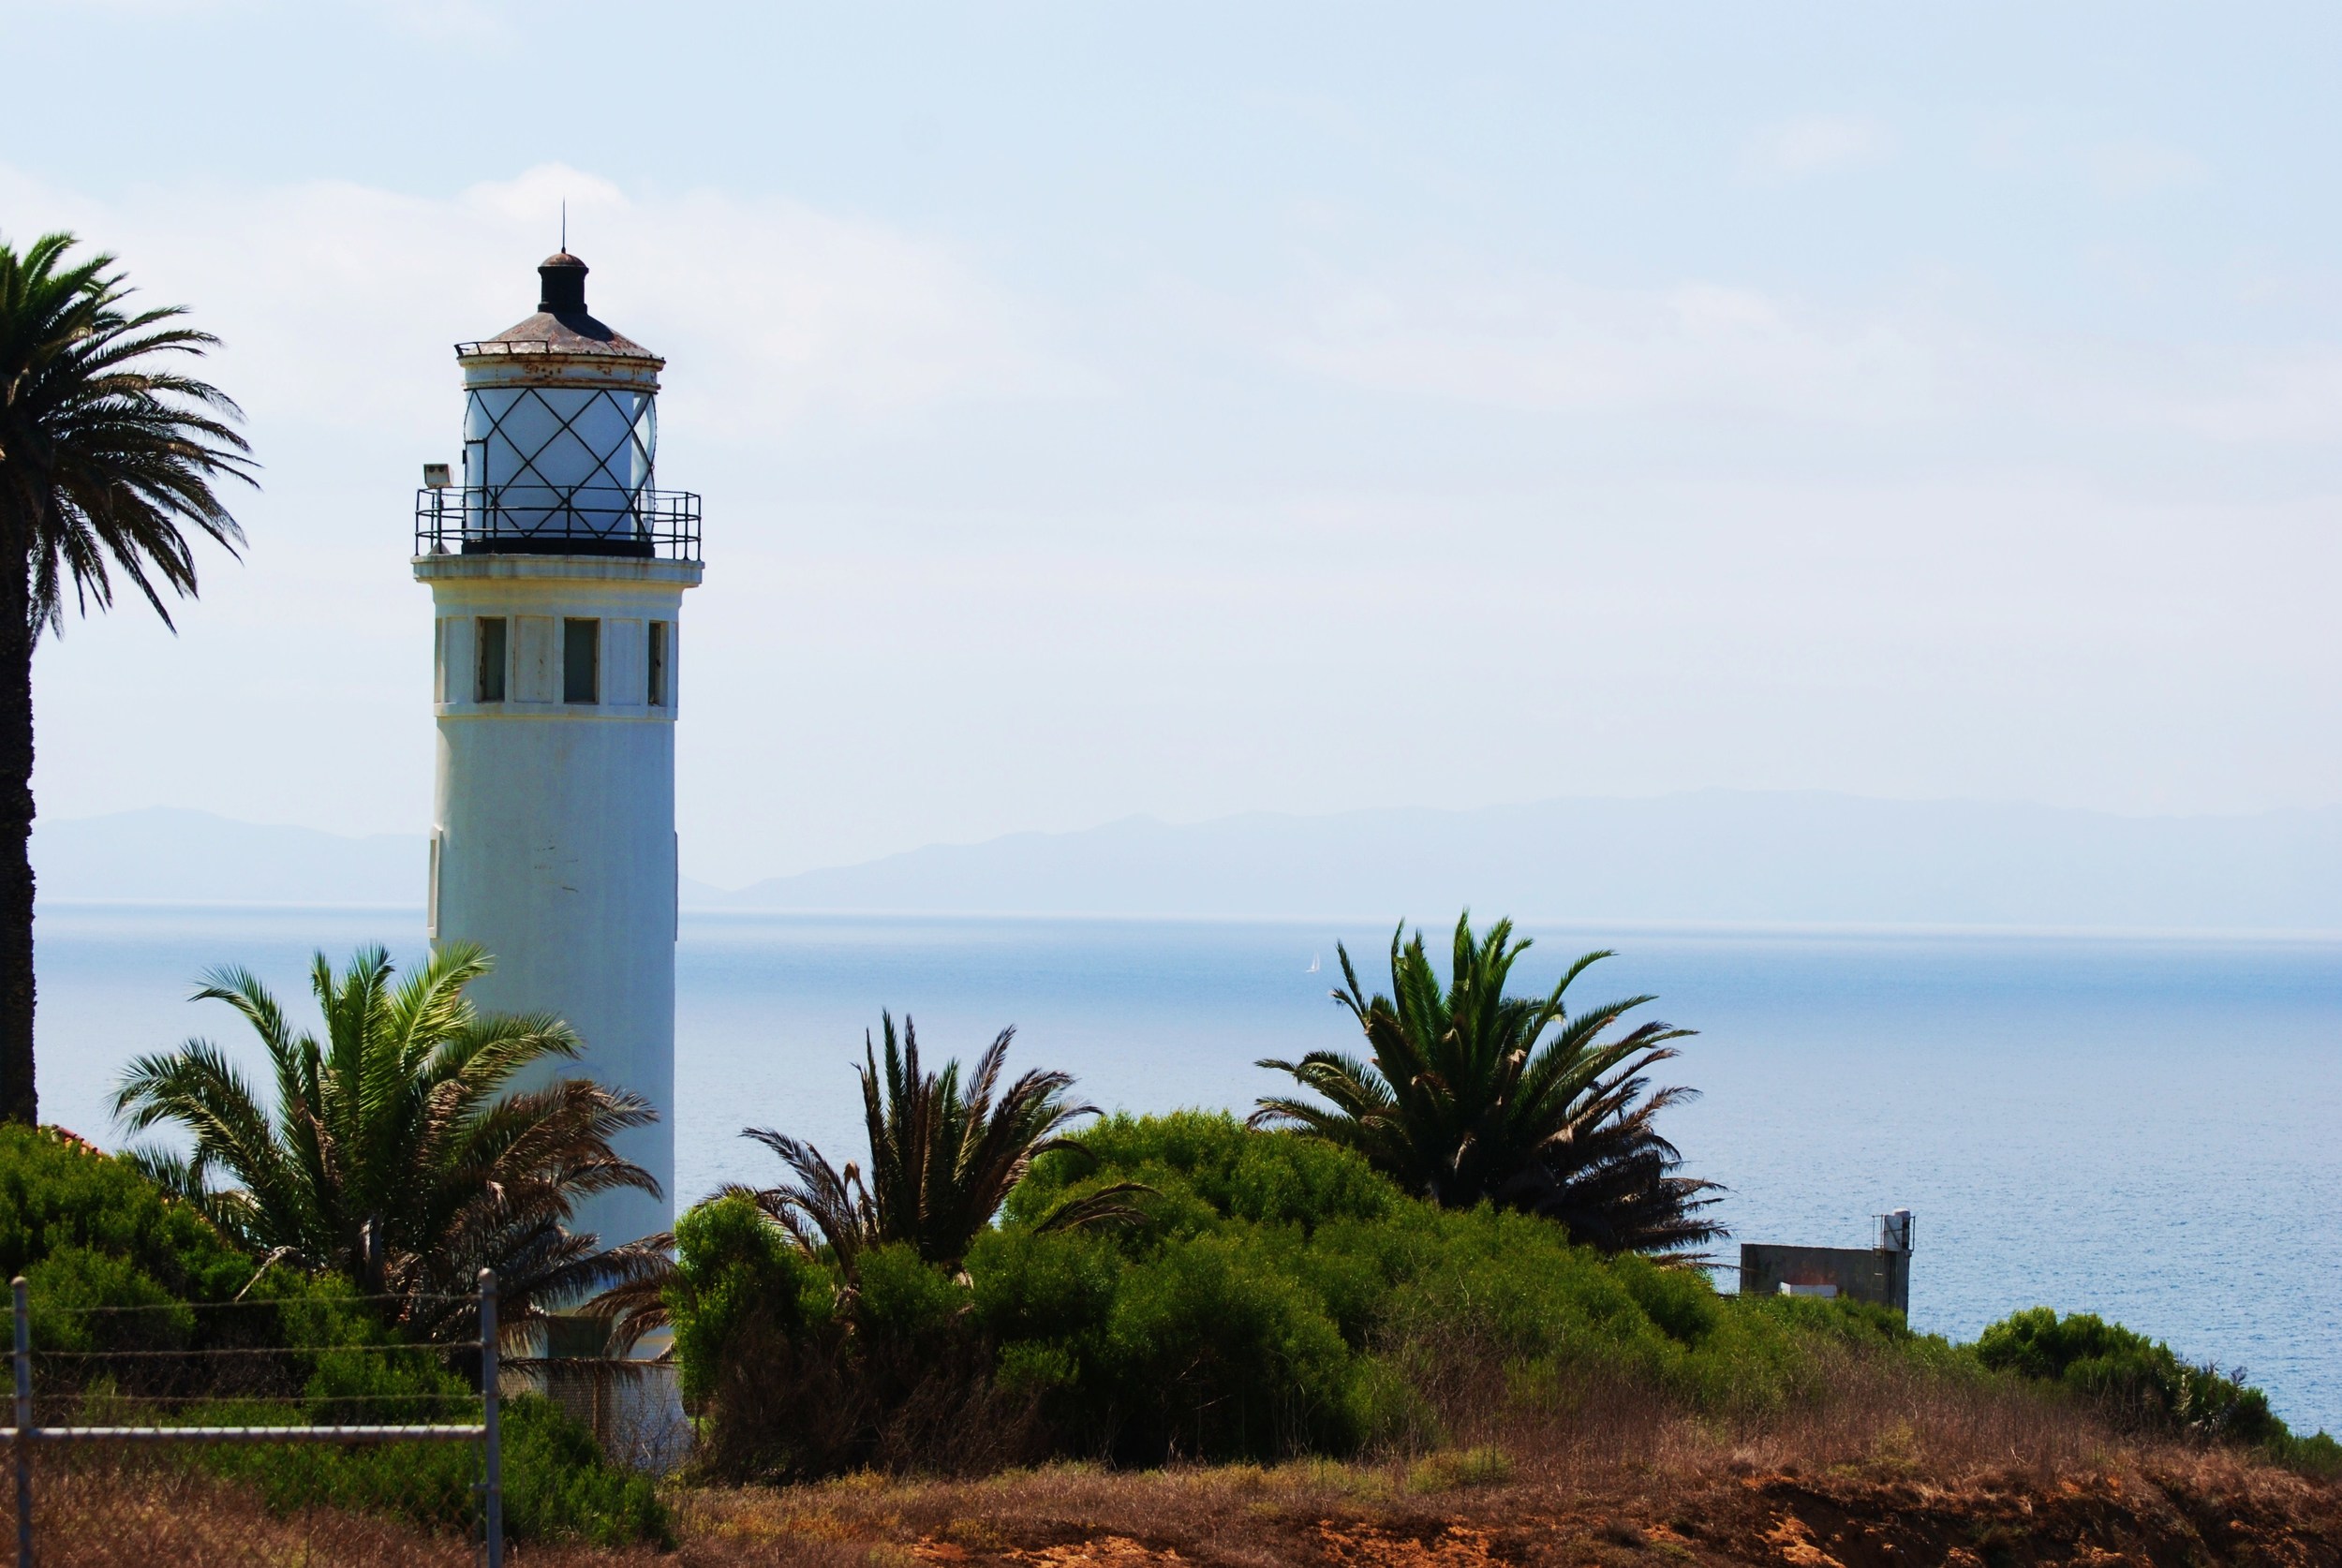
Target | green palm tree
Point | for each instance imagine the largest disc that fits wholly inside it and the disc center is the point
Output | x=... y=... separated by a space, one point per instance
x=942 y=1159
x=106 y=453
x=397 y=1152
x=1468 y=1098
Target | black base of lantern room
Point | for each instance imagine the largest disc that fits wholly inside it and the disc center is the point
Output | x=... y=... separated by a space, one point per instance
x=532 y=544
x=663 y=524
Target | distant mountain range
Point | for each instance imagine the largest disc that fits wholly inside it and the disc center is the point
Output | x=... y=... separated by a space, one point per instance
x=1711 y=856
x=166 y=855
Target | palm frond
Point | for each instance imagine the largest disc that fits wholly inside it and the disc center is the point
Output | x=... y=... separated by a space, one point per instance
x=398 y=1150
x=109 y=457
x=1469 y=1094
x=945 y=1150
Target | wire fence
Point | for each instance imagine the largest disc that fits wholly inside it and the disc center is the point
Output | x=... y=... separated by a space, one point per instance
x=274 y=1432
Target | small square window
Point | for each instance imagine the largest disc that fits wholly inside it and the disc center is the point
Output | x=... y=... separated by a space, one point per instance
x=489 y=684
x=658 y=641
x=581 y=661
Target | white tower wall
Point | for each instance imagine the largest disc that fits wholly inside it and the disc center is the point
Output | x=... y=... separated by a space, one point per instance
x=553 y=837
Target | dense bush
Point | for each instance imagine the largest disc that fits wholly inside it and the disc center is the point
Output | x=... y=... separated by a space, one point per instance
x=1278 y=1297
x=2142 y=1384
x=88 y=1229
x=557 y=1484
x=1283 y=1297
x=96 y=1232
x=799 y=1373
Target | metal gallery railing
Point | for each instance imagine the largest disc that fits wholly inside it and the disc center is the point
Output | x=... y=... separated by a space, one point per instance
x=524 y=519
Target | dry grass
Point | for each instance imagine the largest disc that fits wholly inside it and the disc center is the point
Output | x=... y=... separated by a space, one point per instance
x=1894 y=1467
x=105 y=1515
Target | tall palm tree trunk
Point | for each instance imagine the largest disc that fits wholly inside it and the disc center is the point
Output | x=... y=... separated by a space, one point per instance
x=106 y=454
x=18 y=1100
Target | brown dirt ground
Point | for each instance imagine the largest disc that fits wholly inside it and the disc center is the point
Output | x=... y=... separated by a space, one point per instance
x=1907 y=1474
x=2175 y=1509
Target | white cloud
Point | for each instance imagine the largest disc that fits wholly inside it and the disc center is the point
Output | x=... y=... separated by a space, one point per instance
x=1700 y=349
x=1539 y=341
x=473 y=22
x=338 y=301
x=1816 y=145
x=2134 y=168
x=2236 y=400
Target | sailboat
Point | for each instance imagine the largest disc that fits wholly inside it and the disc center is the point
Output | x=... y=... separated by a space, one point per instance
x=1312 y=968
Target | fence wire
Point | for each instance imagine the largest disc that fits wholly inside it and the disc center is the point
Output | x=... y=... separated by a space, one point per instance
x=178 y=1434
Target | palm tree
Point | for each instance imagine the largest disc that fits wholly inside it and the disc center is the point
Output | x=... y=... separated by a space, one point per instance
x=941 y=1159
x=1468 y=1098
x=104 y=455
x=398 y=1154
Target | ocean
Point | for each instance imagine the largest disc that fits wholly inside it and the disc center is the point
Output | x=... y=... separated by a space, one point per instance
x=2145 y=1128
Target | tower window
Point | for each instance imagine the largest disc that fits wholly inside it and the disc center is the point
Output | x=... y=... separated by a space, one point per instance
x=489 y=686
x=657 y=644
x=581 y=661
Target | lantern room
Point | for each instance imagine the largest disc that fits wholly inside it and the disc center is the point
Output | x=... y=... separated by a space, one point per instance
x=560 y=441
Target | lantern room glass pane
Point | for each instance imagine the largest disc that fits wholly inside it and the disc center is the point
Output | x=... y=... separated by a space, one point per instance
x=567 y=460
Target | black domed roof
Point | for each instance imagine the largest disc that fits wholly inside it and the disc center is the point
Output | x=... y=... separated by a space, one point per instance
x=562 y=324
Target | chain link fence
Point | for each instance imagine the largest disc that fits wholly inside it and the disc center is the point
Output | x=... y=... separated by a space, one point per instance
x=277 y=1431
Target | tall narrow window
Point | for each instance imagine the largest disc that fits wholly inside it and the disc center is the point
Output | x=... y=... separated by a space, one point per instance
x=490 y=685
x=581 y=661
x=658 y=643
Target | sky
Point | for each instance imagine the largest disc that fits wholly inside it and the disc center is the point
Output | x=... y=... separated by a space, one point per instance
x=1190 y=410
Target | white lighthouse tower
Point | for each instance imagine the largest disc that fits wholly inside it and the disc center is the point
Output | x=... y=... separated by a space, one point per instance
x=556 y=574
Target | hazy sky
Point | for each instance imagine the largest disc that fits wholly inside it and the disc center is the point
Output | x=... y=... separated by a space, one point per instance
x=1192 y=408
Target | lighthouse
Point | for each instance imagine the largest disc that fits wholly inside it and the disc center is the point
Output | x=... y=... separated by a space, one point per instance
x=556 y=573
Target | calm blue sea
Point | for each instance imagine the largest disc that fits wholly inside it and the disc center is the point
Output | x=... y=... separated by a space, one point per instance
x=2149 y=1128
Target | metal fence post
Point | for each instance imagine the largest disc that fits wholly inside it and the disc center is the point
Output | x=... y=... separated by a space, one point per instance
x=23 y=1444
x=492 y=1490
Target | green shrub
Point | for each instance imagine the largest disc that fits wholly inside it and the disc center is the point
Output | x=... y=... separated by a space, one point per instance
x=61 y=1196
x=1214 y=1350
x=1465 y=1467
x=1210 y=1166
x=1434 y=1292
x=63 y=1287
x=557 y=1486
x=2138 y=1382
x=427 y=1483
x=736 y=1277
x=2318 y=1454
x=89 y=1230
x=905 y=1301
x=764 y=1364
x=1277 y=1298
